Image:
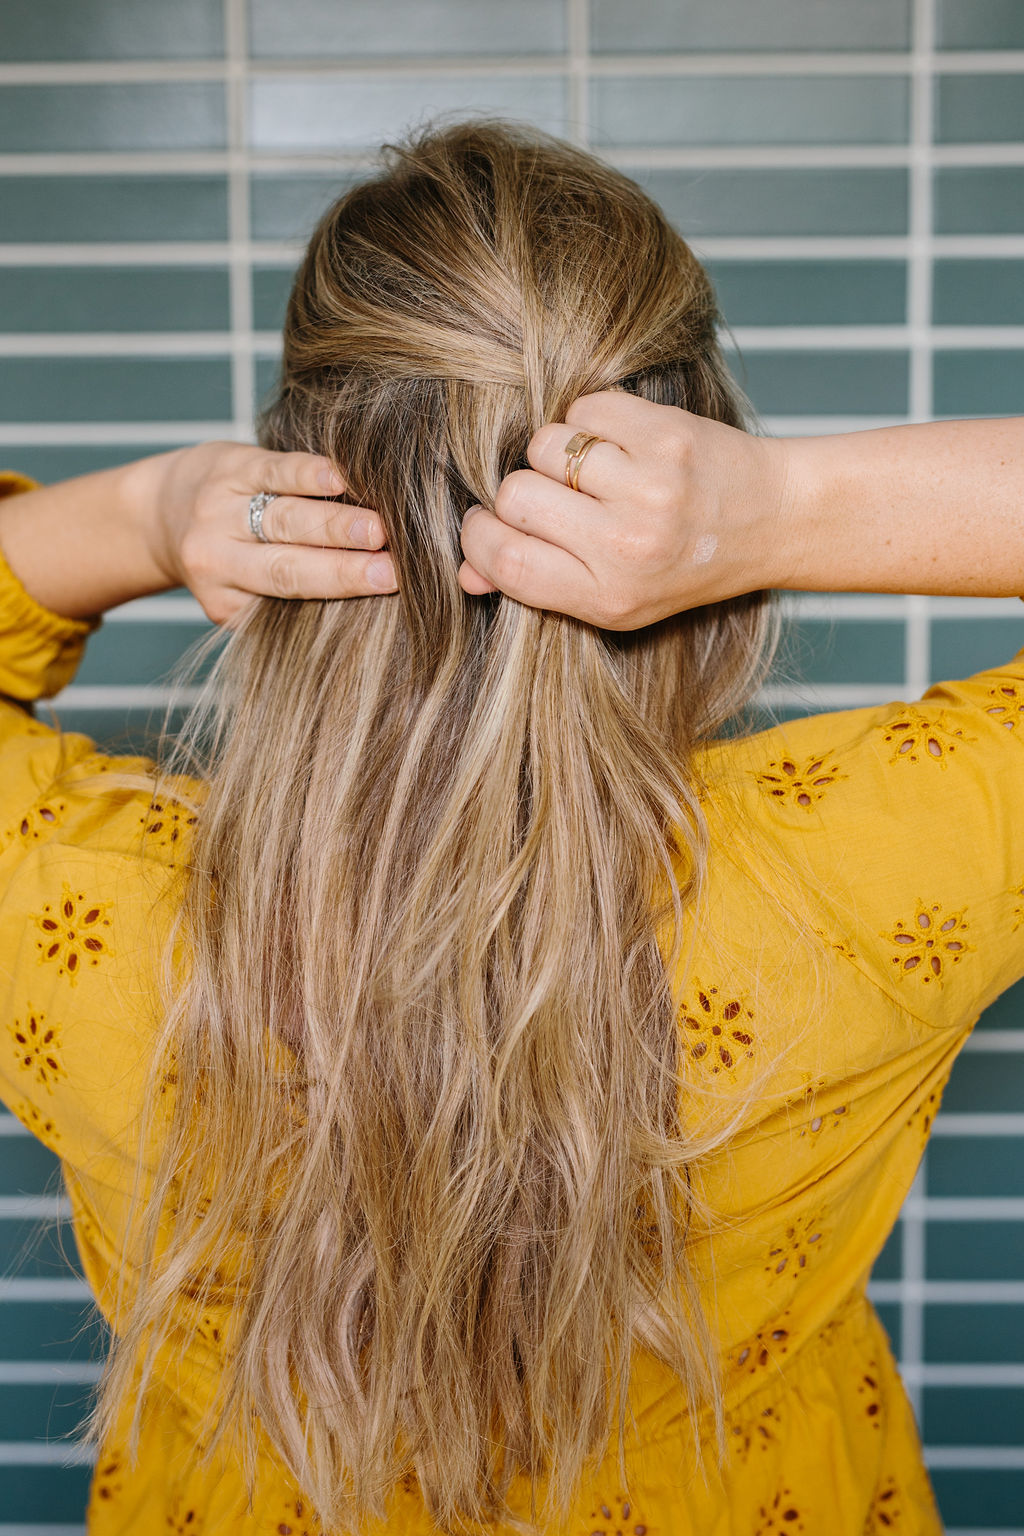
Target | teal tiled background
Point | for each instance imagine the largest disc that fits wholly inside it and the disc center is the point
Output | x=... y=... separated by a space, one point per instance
x=852 y=171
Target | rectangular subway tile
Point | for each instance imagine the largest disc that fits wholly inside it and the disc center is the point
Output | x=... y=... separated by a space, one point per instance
x=889 y=1264
x=833 y=383
x=972 y=1415
x=989 y=1080
x=287 y=207
x=691 y=26
x=891 y=1319
x=118 y=731
x=986 y=292
x=973 y=1499
x=42 y=1411
x=979 y=109
x=50 y=1494
x=965 y=24
x=27 y=1167
x=270 y=289
x=749 y=109
x=37 y=1250
x=792 y=292
x=819 y=651
x=969 y=382
x=48 y=462
x=268 y=371
x=115 y=389
x=113 y=208
x=961 y=647
x=984 y=1166
x=51 y=1331
x=982 y=200
x=187 y=298
x=157 y=115
x=314 y=112
x=1007 y=1012
x=960 y=1333
x=974 y=1250
x=136 y=654
x=109 y=29
x=793 y=201
x=321 y=29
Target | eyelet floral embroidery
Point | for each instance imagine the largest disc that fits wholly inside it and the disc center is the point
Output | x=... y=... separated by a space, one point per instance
x=182 y=1519
x=108 y=1480
x=165 y=825
x=841 y=946
x=789 y=1255
x=867 y=1390
x=40 y=1125
x=41 y=820
x=927 y=1110
x=916 y=737
x=616 y=1517
x=1007 y=706
x=73 y=932
x=762 y=1432
x=781 y=1515
x=1018 y=911
x=766 y=1347
x=793 y=783
x=37 y=1047
x=719 y=1033
x=297 y=1520
x=884 y=1514
x=830 y=1119
x=930 y=944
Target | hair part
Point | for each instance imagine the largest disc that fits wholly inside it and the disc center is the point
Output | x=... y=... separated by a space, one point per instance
x=432 y=933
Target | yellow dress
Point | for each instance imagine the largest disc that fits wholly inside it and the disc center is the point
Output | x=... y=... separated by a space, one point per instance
x=900 y=829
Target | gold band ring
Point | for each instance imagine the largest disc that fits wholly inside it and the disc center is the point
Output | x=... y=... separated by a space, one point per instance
x=576 y=450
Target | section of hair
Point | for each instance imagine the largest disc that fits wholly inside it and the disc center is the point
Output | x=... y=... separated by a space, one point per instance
x=425 y=1043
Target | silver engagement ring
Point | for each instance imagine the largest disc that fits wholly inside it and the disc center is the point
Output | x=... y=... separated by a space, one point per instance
x=257 y=506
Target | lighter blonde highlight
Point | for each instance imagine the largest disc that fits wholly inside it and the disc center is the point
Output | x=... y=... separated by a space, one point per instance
x=468 y=837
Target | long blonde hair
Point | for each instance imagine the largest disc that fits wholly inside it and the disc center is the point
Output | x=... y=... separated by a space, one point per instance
x=423 y=1038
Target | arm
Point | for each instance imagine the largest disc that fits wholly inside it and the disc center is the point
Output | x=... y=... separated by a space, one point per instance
x=181 y=519
x=678 y=511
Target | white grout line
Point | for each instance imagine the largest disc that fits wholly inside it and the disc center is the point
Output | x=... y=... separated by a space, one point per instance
x=995 y=1040
x=46 y=1453
x=31 y=1373
x=577 y=26
x=34 y=1207
x=73 y=434
x=980 y=1124
x=959 y=1208
x=79 y=1530
x=949 y=1292
x=979 y=1458
x=240 y=274
x=121 y=696
x=65 y=1288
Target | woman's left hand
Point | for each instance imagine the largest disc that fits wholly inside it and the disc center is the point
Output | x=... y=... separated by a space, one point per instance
x=200 y=536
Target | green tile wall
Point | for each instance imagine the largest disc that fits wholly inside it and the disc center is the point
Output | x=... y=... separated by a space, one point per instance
x=862 y=218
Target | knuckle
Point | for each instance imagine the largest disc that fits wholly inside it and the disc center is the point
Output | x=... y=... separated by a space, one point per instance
x=508 y=565
x=509 y=494
x=281 y=573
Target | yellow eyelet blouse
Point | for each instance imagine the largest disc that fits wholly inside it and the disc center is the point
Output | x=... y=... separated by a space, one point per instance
x=897 y=830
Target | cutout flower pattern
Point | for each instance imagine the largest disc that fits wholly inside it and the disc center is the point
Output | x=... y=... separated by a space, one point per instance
x=885 y=1512
x=108 y=1480
x=917 y=737
x=164 y=825
x=183 y=1519
x=1017 y=891
x=74 y=932
x=760 y=1433
x=616 y=1517
x=718 y=1029
x=297 y=1519
x=928 y=1108
x=1007 y=706
x=765 y=1348
x=829 y=1119
x=782 y=1515
x=930 y=944
x=41 y=1126
x=868 y=1392
x=37 y=1047
x=789 y=1254
x=799 y=783
x=41 y=820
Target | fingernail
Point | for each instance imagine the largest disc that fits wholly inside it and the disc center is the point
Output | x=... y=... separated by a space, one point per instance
x=380 y=573
x=330 y=480
x=471 y=510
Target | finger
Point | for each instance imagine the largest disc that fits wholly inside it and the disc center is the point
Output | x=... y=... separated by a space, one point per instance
x=296 y=520
x=525 y=568
x=301 y=572
x=297 y=474
x=529 y=501
x=621 y=417
x=603 y=471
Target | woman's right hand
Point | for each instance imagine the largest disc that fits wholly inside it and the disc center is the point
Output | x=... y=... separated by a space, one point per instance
x=673 y=511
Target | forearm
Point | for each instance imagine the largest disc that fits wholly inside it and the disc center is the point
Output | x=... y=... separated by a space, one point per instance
x=935 y=508
x=82 y=546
